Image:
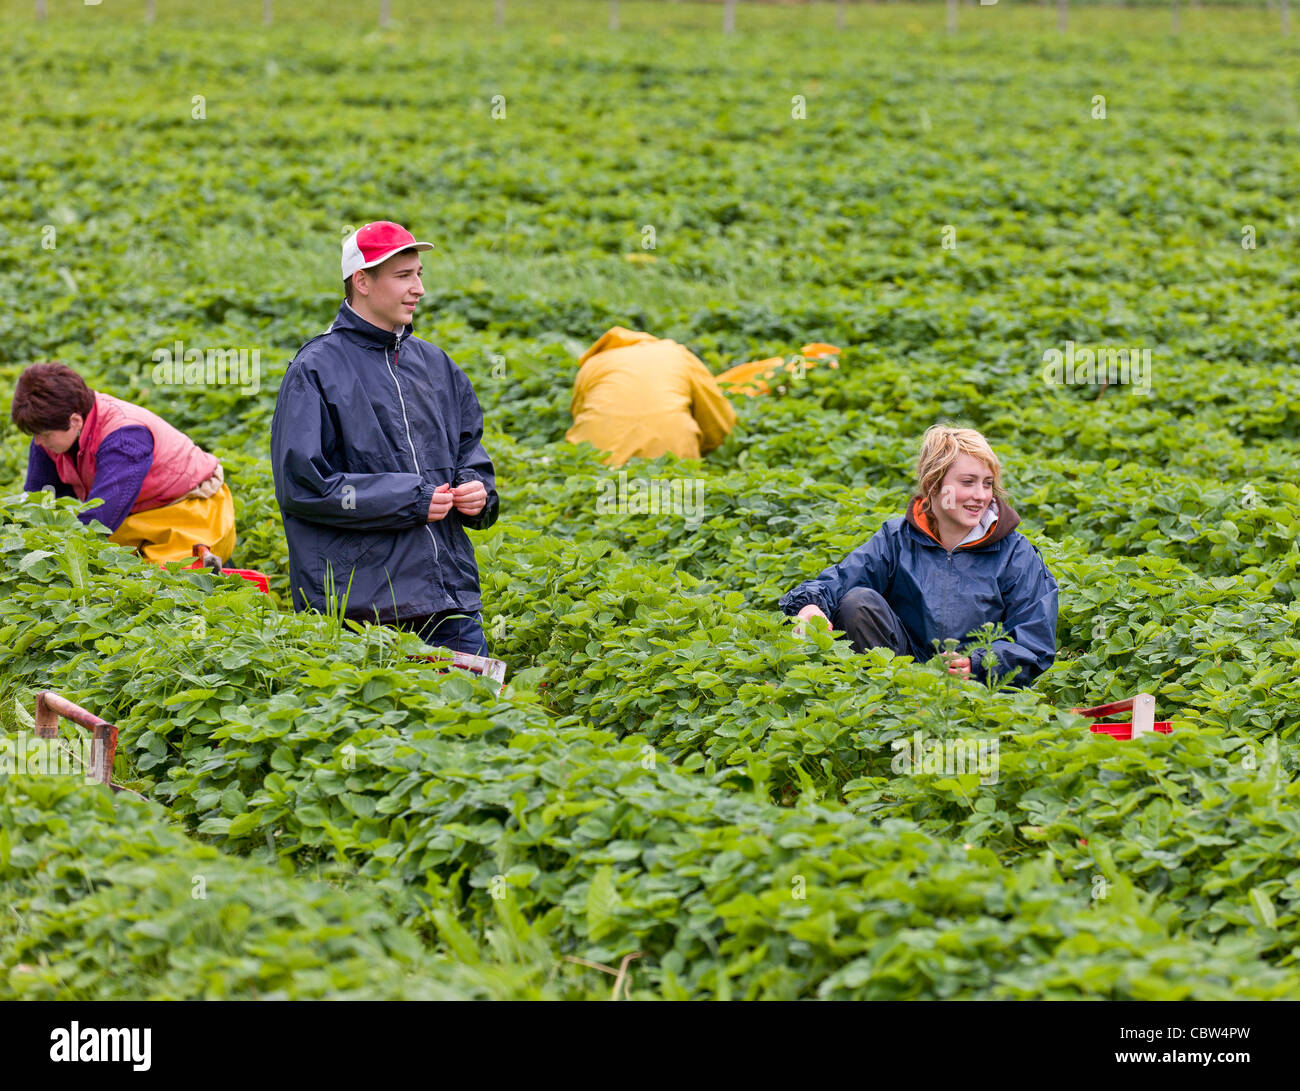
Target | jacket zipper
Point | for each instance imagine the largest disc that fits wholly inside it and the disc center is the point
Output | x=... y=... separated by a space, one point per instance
x=948 y=590
x=397 y=344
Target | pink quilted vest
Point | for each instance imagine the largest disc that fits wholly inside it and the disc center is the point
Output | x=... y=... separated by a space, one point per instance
x=178 y=463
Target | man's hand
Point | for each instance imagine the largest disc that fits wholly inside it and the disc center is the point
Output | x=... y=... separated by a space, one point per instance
x=470 y=498
x=809 y=611
x=440 y=502
x=959 y=665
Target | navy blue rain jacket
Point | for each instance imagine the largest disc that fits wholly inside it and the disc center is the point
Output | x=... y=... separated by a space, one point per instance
x=937 y=594
x=367 y=424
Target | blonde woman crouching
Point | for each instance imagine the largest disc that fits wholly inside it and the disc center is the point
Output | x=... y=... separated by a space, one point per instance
x=953 y=562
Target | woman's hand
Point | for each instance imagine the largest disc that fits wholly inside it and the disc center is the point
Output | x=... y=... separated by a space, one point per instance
x=809 y=611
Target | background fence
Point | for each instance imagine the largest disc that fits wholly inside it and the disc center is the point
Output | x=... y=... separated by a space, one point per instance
x=732 y=16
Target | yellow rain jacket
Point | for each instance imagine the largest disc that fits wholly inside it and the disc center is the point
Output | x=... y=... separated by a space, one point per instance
x=637 y=396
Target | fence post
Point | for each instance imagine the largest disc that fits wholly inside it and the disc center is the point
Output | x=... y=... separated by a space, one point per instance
x=729 y=17
x=839 y=14
x=1062 y=15
x=952 y=16
x=266 y=13
x=1175 y=24
x=499 y=14
x=40 y=10
x=1286 y=17
x=385 y=14
x=149 y=12
x=613 y=14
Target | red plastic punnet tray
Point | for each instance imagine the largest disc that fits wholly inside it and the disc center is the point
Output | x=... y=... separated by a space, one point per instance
x=261 y=579
x=207 y=559
x=1143 y=707
x=1124 y=732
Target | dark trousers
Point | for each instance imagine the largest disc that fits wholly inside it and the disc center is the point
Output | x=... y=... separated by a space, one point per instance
x=870 y=622
x=459 y=630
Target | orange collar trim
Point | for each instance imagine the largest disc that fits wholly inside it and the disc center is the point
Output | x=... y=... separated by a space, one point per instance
x=923 y=520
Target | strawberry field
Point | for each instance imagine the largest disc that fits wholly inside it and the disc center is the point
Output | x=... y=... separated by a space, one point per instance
x=671 y=772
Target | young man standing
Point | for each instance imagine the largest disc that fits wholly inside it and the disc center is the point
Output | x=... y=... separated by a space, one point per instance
x=376 y=446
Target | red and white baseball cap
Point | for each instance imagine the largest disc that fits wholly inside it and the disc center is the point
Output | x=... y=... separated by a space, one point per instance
x=377 y=242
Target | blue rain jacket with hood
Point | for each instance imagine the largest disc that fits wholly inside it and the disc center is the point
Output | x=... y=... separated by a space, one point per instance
x=939 y=594
x=368 y=423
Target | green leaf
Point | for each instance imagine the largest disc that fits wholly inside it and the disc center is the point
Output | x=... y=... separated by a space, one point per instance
x=242 y=824
x=375 y=688
x=74 y=563
x=602 y=901
x=30 y=560
x=233 y=802
x=312 y=815
x=1264 y=910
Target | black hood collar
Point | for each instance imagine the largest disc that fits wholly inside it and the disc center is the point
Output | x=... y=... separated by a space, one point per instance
x=348 y=321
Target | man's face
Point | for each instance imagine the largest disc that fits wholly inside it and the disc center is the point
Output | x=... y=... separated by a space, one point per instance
x=391 y=291
x=58 y=441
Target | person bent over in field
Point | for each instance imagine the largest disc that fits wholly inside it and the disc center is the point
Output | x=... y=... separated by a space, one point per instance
x=951 y=563
x=162 y=495
x=640 y=396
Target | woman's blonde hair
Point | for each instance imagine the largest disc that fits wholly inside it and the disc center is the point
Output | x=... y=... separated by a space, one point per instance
x=941 y=446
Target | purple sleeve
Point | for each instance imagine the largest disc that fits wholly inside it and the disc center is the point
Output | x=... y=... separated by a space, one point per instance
x=121 y=465
x=41 y=472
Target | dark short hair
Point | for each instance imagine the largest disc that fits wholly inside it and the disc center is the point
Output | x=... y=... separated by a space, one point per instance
x=47 y=396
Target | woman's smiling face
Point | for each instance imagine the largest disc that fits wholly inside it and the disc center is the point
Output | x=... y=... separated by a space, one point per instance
x=964 y=494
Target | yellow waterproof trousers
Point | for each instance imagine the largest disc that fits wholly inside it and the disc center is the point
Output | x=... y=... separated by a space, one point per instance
x=170 y=533
x=748 y=379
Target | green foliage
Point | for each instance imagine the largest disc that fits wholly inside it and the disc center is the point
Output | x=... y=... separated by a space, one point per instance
x=472 y=814
x=105 y=899
x=671 y=771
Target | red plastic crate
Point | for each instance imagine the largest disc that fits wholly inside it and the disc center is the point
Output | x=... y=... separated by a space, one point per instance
x=263 y=582
x=1124 y=732
x=1145 y=706
x=202 y=553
